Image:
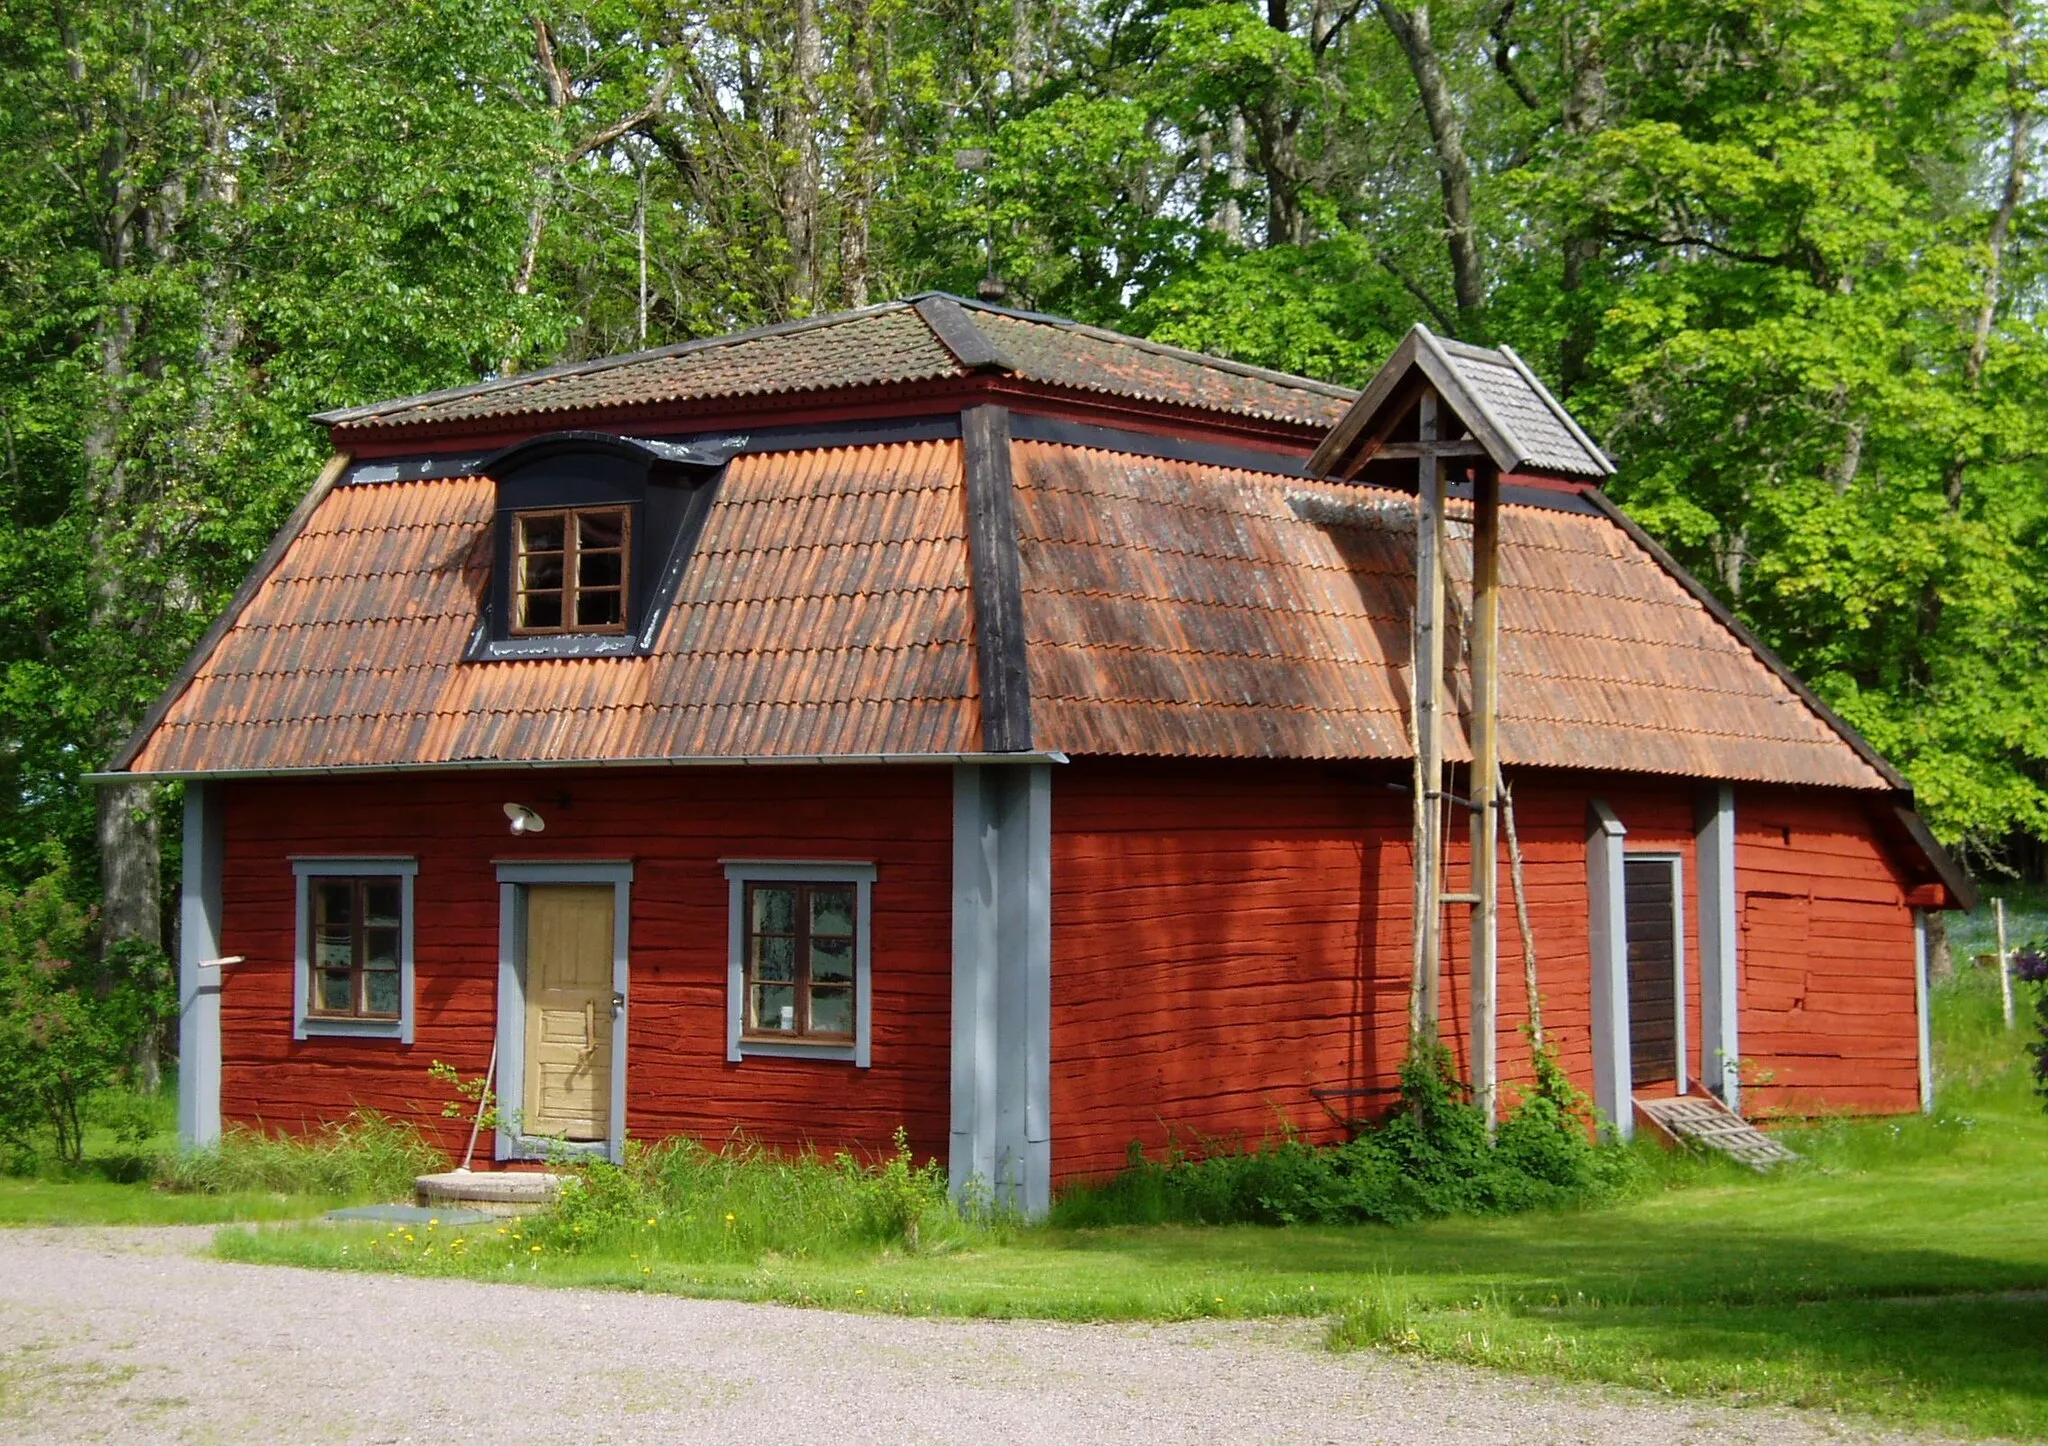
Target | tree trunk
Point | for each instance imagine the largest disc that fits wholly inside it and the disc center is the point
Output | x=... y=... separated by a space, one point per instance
x=126 y=831
x=856 y=215
x=1411 y=30
x=1022 y=72
x=2019 y=139
x=800 y=181
x=1280 y=153
x=1584 y=106
x=1941 y=960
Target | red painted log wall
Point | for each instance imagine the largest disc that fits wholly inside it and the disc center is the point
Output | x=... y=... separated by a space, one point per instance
x=1229 y=939
x=676 y=825
x=1828 y=1012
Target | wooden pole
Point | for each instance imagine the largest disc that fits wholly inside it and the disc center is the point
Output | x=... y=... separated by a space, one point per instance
x=2004 y=962
x=1515 y=878
x=1485 y=783
x=1428 y=715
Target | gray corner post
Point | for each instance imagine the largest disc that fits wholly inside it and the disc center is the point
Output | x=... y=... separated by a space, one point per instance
x=1001 y=1145
x=199 y=918
x=1607 y=898
x=1720 y=999
x=1921 y=1010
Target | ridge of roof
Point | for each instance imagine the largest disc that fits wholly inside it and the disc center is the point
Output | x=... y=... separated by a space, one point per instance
x=1158 y=348
x=368 y=411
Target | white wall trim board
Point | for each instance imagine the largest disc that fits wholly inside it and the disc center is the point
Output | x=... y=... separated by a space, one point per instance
x=1720 y=938
x=1607 y=900
x=1921 y=1010
x=1001 y=1144
x=305 y=1024
x=199 y=933
x=741 y=872
x=514 y=878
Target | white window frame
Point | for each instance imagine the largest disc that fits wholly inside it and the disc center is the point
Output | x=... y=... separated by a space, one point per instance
x=306 y=1024
x=741 y=872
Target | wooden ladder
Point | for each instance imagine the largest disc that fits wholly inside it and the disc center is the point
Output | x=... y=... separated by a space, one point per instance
x=1703 y=1120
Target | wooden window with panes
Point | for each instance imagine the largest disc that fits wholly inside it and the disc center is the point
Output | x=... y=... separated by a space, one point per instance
x=800 y=955
x=358 y=928
x=570 y=570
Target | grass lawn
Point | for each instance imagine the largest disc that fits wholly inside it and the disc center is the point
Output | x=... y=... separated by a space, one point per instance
x=112 y=1186
x=1902 y=1272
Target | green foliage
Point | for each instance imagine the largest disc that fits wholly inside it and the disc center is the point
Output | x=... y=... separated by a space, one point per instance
x=69 y=1021
x=683 y=1200
x=364 y=1157
x=474 y=1100
x=1429 y=1160
x=1765 y=248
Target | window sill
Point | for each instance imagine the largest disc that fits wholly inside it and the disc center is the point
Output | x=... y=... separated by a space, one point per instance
x=834 y=1049
x=313 y=1025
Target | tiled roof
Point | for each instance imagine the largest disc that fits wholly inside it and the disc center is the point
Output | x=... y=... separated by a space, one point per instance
x=825 y=612
x=892 y=344
x=1181 y=609
x=1171 y=608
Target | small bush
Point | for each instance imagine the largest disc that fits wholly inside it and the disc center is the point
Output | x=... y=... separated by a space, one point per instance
x=70 y=1021
x=366 y=1156
x=1432 y=1158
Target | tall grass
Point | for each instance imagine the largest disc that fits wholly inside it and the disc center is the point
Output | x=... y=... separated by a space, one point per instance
x=366 y=1156
x=740 y=1203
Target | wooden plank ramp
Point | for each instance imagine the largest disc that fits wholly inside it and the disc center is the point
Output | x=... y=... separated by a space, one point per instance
x=1704 y=1121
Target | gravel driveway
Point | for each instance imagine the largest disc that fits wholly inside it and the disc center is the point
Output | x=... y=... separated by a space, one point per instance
x=129 y=1335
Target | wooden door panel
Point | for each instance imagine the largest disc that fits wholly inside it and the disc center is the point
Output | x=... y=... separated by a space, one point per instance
x=568 y=1010
x=1652 y=922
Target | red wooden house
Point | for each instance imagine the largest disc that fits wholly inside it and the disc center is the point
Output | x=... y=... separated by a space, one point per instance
x=942 y=716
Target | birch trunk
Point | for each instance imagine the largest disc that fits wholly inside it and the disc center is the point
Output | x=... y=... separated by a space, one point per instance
x=1411 y=29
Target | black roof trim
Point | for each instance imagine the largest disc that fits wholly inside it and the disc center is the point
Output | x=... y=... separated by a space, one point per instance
x=638 y=449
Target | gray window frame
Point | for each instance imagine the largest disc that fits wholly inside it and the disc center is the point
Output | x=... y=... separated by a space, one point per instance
x=741 y=872
x=305 y=1023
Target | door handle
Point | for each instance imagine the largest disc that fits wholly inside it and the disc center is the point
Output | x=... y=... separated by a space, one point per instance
x=589 y=1026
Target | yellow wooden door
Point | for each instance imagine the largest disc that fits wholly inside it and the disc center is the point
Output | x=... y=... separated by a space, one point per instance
x=568 y=1011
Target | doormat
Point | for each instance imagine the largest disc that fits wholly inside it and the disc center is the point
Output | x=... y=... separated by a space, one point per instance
x=1703 y=1120
x=409 y=1215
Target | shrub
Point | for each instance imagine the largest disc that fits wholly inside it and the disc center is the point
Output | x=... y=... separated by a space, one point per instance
x=366 y=1156
x=69 y=1021
x=1430 y=1159
x=2030 y=966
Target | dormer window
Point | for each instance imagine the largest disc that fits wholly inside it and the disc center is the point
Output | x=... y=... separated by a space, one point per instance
x=592 y=535
x=574 y=570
